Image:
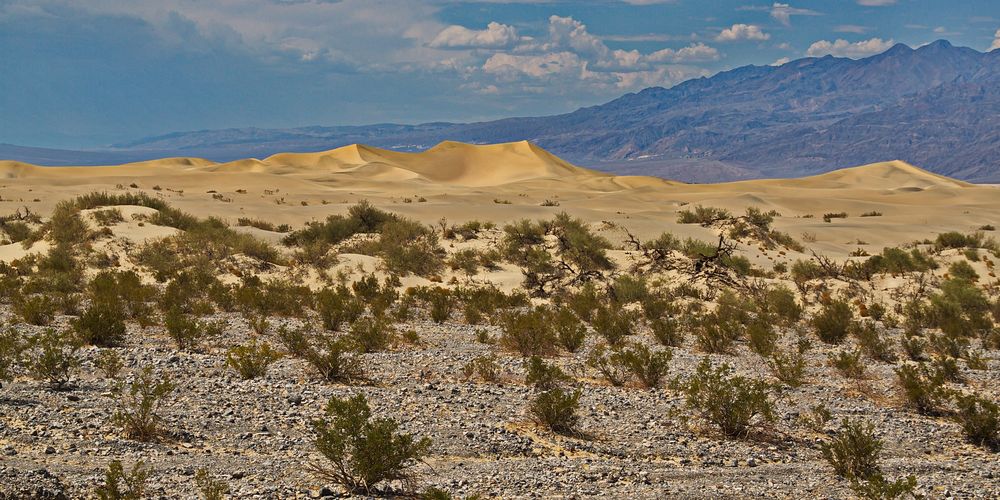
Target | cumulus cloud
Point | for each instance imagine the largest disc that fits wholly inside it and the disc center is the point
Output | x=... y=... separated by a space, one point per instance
x=692 y=53
x=783 y=12
x=843 y=48
x=996 y=41
x=779 y=62
x=495 y=36
x=742 y=32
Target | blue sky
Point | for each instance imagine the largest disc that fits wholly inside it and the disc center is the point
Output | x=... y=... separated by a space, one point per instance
x=86 y=73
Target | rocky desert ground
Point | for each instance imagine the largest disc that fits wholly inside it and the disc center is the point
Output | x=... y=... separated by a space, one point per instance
x=518 y=327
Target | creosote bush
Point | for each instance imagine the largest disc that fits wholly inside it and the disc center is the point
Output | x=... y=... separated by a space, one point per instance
x=139 y=404
x=833 y=322
x=733 y=403
x=251 y=360
x=333 y=357
x=854 y=454
x=544 y=376
x=52 y=356
x=980 y=420
x=923 y=389
x=648 y=367
x=556 y=410
x=529 y=333
x=102 y=325
x=122 y=485
x=363 y=452
x=483 y=367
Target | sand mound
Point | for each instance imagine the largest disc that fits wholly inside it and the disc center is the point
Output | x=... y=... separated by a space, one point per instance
x=897 y=175
x=16 y=170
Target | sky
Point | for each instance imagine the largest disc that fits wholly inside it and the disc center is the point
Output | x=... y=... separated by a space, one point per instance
x=88 y=73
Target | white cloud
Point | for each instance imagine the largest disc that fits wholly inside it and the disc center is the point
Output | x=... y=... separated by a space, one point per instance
x=996 y=41
x=495 y=36
x=742 y=32
x=843 y=48
x=783 y=12
x=692 y=53
x=779 y=62
x=851 y=28
x=876 y=3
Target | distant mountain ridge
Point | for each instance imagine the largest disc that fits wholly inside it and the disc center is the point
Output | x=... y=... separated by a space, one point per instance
x=937 y=106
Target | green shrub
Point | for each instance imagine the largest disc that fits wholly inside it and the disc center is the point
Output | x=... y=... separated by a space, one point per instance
x=833 y=322
x=877 y=487
x=733 y=403
x=706 y=216
x=484 y=367
x=121 y=485
x=924 y=390
x=53 y=357
x=780 y=301
x=109 y=362
x=872 y=343
x=647 y=366
x=762 y=337
x=613 y=323
x=371 y=334
x=408 y=247
x=849 y=364
x=667 y=331
x=556 y=410
x=251 y=360
x=363 y=451
x=186 y=332
x=16 y=231
x=108 y=217
x=35 y=309
x=123 y=290
x=360 y=218
x=570 y=331
x=834 y=215
x=529 y=333
x=628 y=288
x=139 y=403
x=442 y=303
x=610 y=363
x=789 y=367
x=210 y=487
x=980 y=419
x=102 y=325
x=817 y=417
x=963 y=271
x=960 y=309
x=715 y=334
x=337 y=306
x=854 y=451
x=333 y=358
x=578 y=246
x=542 y=375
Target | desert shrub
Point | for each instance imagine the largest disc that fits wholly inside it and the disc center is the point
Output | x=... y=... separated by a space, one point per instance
x=11 y=347
x=483 y=367
x=122 y=485
x=371 y=334
x=584 y=301
x=442 y=303
x=914 y=347
x=849 y=364
x=210 y=488
x=854 y=451
x=613 y=323
x=807 y=270
x=360 y=218
x=577 y=245
x=828 y=217
x=276 y=297
x=877 y=487
x=948 y=368
x=16 y=231
x=570 y=331
x=529 y=333
x=465 y=260
x=953 y=239
x=35 y=309
x=960 y=309
x=333 y=358
x=185 y=331
x=706 y=216
x=610 y=363
x=628 y=288
x=897 y=261
x=408 y=247
x=816 y=418
x=363 y=451
x=542 y=375
x=102 y=325
x=337 y=306
x=780 y=302
x=762 y=336
x=963 y=271
x=122 y=289
x=109 y=362
x=648 y=367
x=139 y=404
x=52 y=357
x=715 y=334
x=108 y=217
x=923 y=389
x=667 y=331
x=789 y=366
x=833 y=322
x=872 y=343
x=733 y=403
x=257 y=223
x=251 y=360
x=556 y=410
x=979 y=418
x=65 y=226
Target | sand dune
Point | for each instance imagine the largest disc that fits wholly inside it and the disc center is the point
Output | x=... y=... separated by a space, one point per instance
x=504 y=182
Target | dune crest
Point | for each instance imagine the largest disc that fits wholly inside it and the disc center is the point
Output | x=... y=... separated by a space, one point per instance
x=895 y=174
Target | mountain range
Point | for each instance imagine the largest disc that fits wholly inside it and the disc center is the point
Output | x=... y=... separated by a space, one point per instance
x=936 y=106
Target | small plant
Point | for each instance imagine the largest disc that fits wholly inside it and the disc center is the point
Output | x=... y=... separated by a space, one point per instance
x=186 y=332
x=613 y=323
x=11 y=347
x=333 y=358
x=53 y=357
x=834 y=215
x=102 y=325
x=484 y=367
x=252 y=360
x=371 y=334
x=363 y=451
x=849 y=364
x=121 y=485
x=109 y=362
x=854 y=452
x=139 y=404
x=667 y=331
x=647 y=366
x=789 y=367
x=609 y=363
x=733 y=403
x=833 y=322
x=923 y=389
x=210 y=487
x=529 y=333
x=542 y=375
x=570 y=331
x=35 y=309
x=556 y=409
x=817 y=417
x=980 y=420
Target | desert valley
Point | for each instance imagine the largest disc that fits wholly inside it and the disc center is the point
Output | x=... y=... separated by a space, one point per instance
x=518 y=327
